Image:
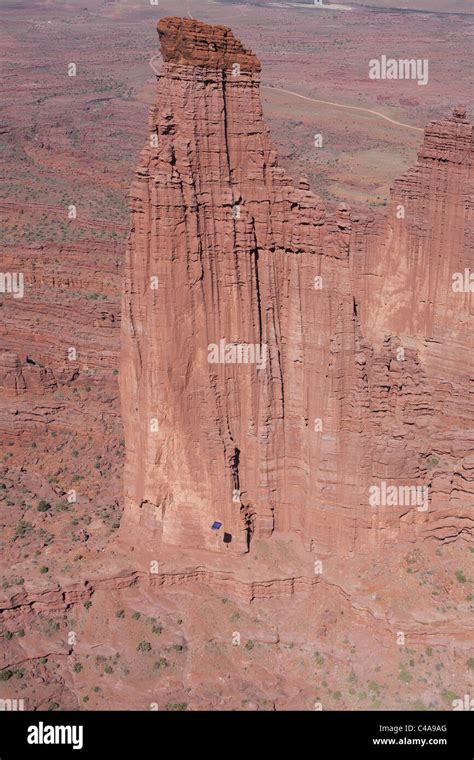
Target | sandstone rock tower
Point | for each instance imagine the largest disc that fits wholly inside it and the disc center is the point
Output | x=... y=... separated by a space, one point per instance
x=260 y=380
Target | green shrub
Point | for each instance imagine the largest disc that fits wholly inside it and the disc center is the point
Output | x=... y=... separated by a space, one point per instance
x=22 y=528
x=405 y=676
x=449 y=696
x=432 y=461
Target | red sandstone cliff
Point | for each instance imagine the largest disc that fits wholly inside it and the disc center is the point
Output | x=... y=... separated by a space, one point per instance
x=365 y=368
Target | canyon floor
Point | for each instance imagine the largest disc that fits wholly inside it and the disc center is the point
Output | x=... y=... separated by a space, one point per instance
x=84 y=624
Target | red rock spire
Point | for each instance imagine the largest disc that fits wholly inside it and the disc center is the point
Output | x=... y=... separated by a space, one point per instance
x=190 y=42
x=286 y=358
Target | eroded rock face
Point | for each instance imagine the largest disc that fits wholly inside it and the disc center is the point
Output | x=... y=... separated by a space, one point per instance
x=278 y=361
x=190 y=42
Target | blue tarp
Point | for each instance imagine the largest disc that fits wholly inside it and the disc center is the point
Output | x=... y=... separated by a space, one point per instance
x=216 y=525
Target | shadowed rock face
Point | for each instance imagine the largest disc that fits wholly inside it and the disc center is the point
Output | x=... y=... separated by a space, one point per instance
x=278 y=360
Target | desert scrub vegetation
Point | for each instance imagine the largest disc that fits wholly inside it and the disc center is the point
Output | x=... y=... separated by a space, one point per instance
x=48 y=626
x=404 y=675
x=22 y=529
